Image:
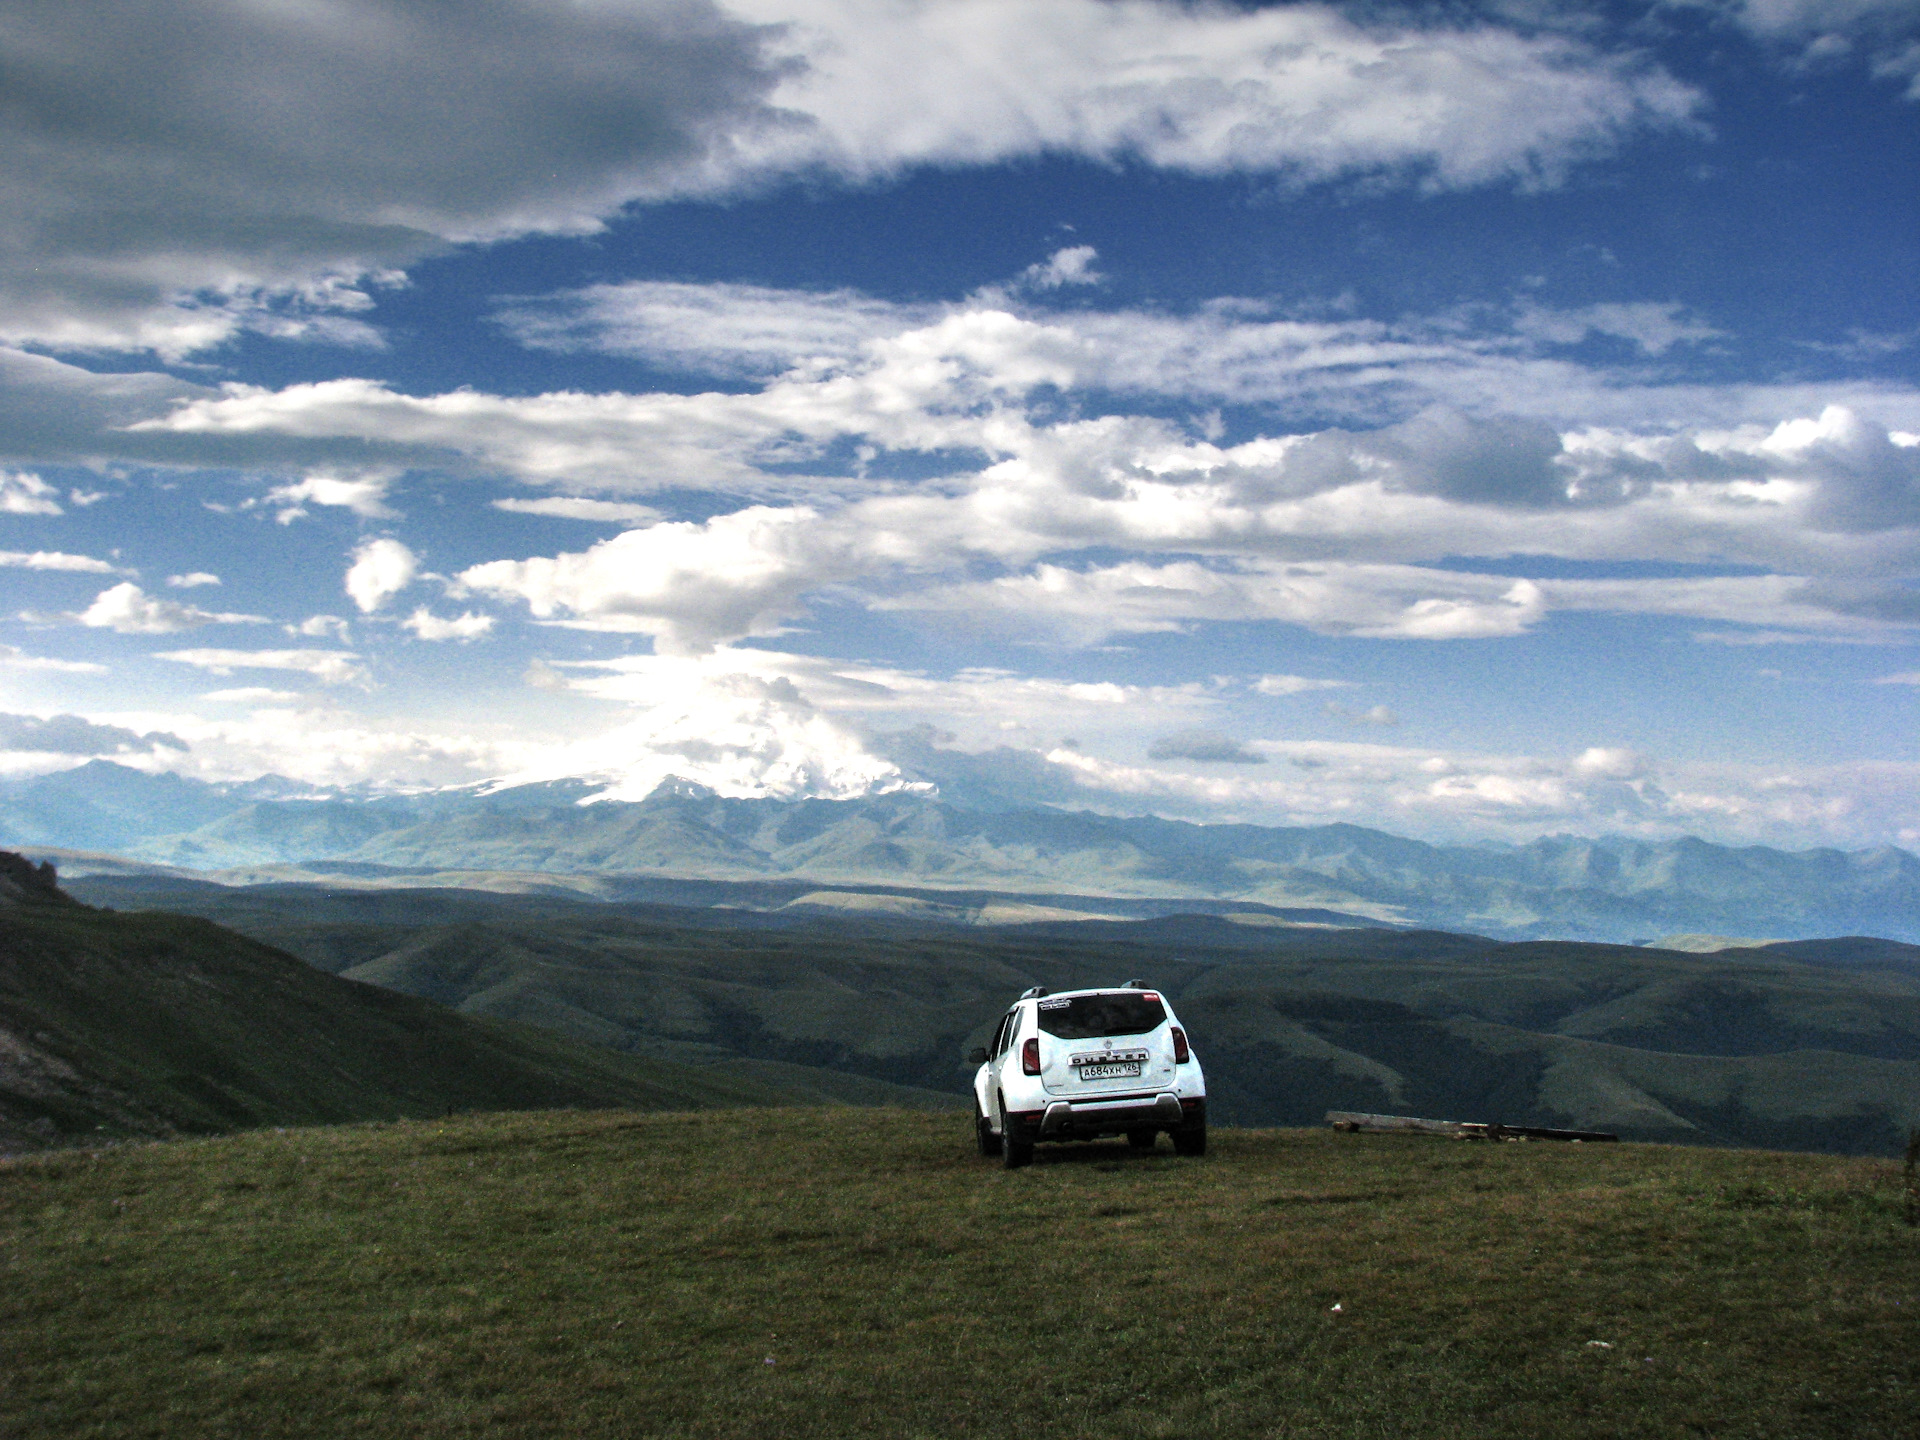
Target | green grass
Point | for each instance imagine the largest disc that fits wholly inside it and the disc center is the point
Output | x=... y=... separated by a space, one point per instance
x=861 y=1273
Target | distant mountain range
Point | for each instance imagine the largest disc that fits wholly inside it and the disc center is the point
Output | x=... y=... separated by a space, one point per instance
x=1608 y=889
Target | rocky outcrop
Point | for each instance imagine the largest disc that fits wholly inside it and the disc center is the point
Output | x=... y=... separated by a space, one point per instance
x=24 y=883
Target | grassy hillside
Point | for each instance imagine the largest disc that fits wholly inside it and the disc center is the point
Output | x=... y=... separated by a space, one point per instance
x=1810 y=1046
x=140 y=1025
x=853 y=1273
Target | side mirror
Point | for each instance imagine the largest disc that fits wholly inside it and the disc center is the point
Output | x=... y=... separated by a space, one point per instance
x=977 y=1055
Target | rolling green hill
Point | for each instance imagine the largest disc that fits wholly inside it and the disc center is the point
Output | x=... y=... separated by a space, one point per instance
x=841 y=1274
x=1817 y=1047
x=116 y=1025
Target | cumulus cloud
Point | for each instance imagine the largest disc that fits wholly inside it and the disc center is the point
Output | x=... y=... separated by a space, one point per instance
x=428 y=626
x=329 y=667
x=126 y=609
x=736 y=734
x=1208 y=746
x=25 y=494
x=193 y=580
x=1832 y=494
x=316 y=627
x=1070 y=266
x=364 y=495
x=381 y=569
x=73 y=735
x=691 y=586
x=1605 y=763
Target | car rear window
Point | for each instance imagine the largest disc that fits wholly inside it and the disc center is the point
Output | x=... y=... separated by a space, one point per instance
x=1086 y=1017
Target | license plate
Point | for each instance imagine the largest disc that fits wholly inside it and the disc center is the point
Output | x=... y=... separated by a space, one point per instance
x=1107 y=1072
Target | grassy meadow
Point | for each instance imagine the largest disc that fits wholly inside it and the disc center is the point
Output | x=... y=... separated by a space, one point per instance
x=843 y=1272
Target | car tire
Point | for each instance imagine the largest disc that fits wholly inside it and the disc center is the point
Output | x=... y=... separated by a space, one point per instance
x=983 y=1132
x=1142 y=1139
x=1013 y=1153
x=1191 y=1141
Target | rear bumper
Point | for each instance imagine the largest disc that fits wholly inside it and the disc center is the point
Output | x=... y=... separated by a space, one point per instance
x=1083 y=1119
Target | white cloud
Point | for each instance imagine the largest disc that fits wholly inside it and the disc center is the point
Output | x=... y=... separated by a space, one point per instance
x=691 y=586
x=288 y=198
x=126 y=609
x=1907 y=677
x=1451 y=795
x=329 y=667
x=310 y=738
x=193 y=580
x=428 y=626
x=1653 y=328
x=14 y=658
x=381 y=569
x=364 y=495
x=986 y=705
x=1295 y=90
x=56 y=560
x=737 y=734
x=317 y=627
x=1295 y=684
x=1070 y=266
x=573 y=507
x=1604 y=763
x=25 y=494
x=253 y=695
x=731 y=330
x=1834 y=495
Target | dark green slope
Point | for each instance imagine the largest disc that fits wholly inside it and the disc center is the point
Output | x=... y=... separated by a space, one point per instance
x=1813 y=1045
x=1653 y=1044
x=117 y=1025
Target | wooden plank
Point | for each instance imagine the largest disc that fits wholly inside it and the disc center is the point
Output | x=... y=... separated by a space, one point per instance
x=1354 y=1120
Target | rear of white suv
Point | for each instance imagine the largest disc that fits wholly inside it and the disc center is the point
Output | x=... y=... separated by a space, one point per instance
x=1076 y=1064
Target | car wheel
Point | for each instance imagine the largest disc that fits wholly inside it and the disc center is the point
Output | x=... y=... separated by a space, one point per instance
x=1013 y=1153
x=1142 y=1139
x=1191 y=1141
x=983 y=1132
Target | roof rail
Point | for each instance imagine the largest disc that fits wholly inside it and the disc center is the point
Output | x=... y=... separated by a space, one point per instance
x=1034 y=993
x=1134 y=985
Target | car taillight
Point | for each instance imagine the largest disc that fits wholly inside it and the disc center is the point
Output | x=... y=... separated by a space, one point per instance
x=1181 y=1054
x=1030 y=1056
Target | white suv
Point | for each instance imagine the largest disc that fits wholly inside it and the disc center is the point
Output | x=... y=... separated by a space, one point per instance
x=1073 y=1064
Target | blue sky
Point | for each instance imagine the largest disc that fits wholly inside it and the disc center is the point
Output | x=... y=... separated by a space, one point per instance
x=1476 y=421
